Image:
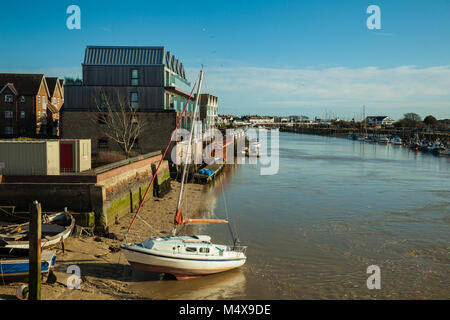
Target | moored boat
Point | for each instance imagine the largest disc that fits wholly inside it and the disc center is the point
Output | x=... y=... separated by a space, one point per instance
x=383 y=140
x=184 y=257
x=188 y=256
x=18 y=266
x=55 y=228
x=437 y=147
x=397 y=141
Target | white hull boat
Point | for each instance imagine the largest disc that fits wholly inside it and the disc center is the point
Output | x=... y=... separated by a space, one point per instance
x=383 y=140
x=397 y=141
x=183 y=257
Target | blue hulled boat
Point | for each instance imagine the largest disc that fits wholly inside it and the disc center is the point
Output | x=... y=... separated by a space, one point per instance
x=17 y=266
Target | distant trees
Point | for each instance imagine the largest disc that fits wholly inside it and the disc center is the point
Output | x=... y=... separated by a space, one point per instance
x=413 y=120
x=410 y=120
x=412 y=117
x=73 y=81
x=431 y=121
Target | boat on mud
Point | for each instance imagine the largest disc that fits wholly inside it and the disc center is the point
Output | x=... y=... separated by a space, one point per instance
x=12 y=265
x=185 y=256
x=55 y=228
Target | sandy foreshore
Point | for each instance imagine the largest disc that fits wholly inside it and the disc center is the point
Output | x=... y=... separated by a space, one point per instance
x=105 y=272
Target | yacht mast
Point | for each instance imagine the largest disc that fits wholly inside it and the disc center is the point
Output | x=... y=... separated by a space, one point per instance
x=188 y=154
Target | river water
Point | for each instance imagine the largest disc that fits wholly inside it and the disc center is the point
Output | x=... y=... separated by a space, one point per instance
x=335 y=208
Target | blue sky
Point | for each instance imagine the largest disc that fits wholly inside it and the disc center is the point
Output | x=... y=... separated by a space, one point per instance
x=265 y=57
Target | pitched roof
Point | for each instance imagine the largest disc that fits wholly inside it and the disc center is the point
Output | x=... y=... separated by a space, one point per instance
x=52 y=83
x=10 y=86
x=135 y=56
x=25 y=84
x=378 y=118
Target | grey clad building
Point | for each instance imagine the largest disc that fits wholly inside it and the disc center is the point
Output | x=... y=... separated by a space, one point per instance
x=151 y=78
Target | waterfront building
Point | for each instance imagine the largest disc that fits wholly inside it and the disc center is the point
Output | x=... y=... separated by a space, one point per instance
x=151 y=79
x=379 y=121
x=26 y=106
x=259 y=119
x=209 y=107
x=225 y=119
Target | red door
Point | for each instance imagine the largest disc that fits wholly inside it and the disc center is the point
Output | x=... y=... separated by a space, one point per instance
x=66 y=157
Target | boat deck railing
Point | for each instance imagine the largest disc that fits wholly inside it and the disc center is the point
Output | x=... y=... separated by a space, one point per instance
x=242 y=249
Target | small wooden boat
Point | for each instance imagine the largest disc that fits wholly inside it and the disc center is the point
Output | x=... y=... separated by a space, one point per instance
x=17 y=266
x=55 y=228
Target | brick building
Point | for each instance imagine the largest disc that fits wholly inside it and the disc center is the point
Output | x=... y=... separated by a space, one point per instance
x=25 y=106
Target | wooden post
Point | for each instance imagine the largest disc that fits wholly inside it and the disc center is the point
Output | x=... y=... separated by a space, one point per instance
x=35 y=252
x=131 y=201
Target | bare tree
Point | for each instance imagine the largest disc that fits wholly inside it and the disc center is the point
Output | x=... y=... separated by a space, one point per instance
x=119 y=118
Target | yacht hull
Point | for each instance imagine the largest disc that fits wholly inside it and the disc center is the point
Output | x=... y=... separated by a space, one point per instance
x=180 y=266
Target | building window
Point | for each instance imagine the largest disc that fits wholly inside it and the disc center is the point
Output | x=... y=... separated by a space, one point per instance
x=22 y=114
x=44 y=104
x=8 y=114
x=9 y=130
x=39 y=99
x=22 y=99
x=134 y=100
x=103 y=143
x=167 y=78
x=39 y=114
x=134 y=77
x=9 y=98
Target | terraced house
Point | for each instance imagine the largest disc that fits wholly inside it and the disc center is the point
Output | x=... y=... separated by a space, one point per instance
x=150 y=78
x=26 y=108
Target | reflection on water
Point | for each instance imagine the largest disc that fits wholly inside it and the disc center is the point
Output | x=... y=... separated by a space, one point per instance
x=226 y=285
x=335 y=207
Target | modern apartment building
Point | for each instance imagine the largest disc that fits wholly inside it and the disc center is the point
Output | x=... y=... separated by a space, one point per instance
x=152 y=80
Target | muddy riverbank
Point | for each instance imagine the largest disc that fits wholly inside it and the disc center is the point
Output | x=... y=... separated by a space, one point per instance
x=105 y=273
